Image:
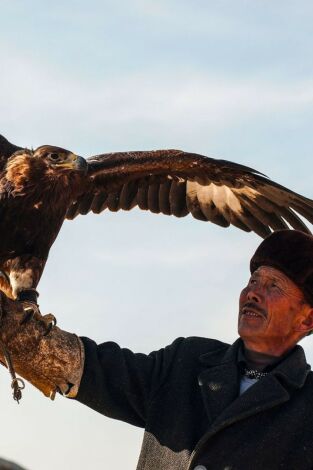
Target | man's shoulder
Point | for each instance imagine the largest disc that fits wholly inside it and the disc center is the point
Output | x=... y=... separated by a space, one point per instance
x=195 y=346
x=205 y=344
x=183 y=357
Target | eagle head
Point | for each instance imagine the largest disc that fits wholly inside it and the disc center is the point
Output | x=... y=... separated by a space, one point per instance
x=58 y=158
x=27 y=169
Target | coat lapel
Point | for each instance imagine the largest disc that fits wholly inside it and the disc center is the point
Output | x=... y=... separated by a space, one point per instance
x=220 y=385
x=266 y=393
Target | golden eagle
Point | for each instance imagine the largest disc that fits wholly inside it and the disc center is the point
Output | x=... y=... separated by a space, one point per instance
x=40 y=188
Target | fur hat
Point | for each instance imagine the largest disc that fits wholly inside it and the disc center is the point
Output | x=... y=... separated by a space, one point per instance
x=291 y=252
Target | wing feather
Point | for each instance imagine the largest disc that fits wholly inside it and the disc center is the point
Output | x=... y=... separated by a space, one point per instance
x=99 y=202
x=128 y=196
x=270 y=219
x=142 y=194
x=173 y=182
x=303 y=210
x=165 y=196
x=153 y=197
x=211 y=202
x=113 y=201
x=73 y=211
x=6 y=150
x=177 y=198
x=253 y=223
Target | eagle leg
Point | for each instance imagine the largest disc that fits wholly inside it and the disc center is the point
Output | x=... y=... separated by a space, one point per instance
x=23 y=273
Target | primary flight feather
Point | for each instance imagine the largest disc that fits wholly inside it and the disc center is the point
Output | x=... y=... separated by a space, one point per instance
x=40 y=188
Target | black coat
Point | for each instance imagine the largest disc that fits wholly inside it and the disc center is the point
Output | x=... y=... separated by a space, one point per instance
x=186 y=396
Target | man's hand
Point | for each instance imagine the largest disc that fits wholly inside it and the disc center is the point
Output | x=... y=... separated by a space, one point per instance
x=51 y=362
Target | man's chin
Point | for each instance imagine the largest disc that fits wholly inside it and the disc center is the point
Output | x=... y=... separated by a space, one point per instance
x=247 y=330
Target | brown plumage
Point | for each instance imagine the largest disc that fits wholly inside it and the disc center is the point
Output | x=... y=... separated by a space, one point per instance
x=39 y=189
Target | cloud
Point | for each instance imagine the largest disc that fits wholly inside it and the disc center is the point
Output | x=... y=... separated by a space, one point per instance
x=46 y=98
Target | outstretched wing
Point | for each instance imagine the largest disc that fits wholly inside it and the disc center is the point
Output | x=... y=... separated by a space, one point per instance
x=174 y=182
x=6 y=150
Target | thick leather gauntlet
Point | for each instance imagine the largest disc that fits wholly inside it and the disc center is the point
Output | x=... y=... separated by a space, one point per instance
x=51 y=362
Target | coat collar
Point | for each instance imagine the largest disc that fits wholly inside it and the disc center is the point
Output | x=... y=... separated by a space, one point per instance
x=293 y=369
x=226 y=353
x=219 y=383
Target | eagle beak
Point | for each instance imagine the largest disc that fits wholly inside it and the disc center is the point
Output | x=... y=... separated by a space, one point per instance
x=81 y=164
x=74 y=162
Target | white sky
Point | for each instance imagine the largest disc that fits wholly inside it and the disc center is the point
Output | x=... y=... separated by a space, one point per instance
x=231 y=79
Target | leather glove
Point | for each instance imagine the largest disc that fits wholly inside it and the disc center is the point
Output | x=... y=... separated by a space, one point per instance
x=51 y=362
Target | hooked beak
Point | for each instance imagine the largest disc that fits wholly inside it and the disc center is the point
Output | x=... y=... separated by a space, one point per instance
x=74 y=162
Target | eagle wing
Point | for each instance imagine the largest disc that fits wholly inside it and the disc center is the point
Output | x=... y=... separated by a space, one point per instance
x=174 y=182
x=6 y=150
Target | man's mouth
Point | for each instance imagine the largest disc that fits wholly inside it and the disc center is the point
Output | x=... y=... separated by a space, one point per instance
x=251 y=312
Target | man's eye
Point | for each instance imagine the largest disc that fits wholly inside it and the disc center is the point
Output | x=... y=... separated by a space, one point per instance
x=275 y=286
x=252 y=281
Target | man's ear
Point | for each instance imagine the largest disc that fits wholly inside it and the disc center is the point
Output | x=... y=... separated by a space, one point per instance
x=306 y=323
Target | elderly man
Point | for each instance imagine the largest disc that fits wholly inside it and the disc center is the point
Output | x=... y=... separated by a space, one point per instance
x=204 y=404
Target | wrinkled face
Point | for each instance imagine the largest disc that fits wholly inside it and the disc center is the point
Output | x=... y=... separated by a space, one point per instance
x=57 y=157
x=272 y=310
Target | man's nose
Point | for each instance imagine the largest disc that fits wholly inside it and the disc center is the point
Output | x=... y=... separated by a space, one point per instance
x=254 y=295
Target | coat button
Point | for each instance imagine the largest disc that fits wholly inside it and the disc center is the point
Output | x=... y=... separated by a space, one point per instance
x=200 y=467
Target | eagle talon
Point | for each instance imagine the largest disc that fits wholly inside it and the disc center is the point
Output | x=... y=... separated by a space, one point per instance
x=29 y=313
x=31 y=310
x=49 y=321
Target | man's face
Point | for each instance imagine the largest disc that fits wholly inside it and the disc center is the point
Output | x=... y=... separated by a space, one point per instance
x=271 y=308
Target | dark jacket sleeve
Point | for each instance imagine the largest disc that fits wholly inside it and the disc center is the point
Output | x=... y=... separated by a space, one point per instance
x=119 y=383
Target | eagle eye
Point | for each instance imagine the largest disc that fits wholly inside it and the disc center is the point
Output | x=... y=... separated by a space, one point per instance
x=54 y=156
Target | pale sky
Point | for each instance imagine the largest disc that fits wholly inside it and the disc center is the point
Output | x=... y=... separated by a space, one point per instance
x=228 y=79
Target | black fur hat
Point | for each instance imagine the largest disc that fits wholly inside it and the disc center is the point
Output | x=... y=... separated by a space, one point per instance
x=291 y=252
